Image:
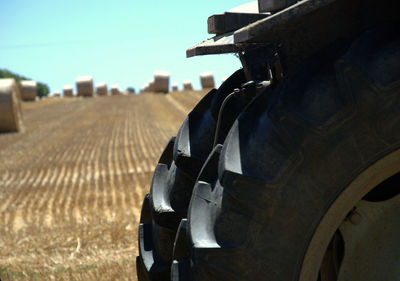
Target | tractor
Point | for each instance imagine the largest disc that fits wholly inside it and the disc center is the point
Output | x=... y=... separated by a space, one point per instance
x=290 y=170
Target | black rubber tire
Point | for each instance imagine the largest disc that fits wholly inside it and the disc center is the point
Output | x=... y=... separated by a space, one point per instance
x=254 y=211
x=175 y=174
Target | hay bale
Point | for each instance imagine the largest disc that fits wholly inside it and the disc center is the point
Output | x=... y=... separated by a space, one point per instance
x=84 y=86
x=207 y=80
x=115 y=90
x=174 y=87
x=161 y=81
x=187 y=85
x=57 y=94
x=101 y=89
x=150 y=85
x=68 y=91
x=10 y=106
x=145 y=88
x=28 y=90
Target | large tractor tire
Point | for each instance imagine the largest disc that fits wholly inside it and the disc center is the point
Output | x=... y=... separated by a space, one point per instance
x=175 y=175
x=304 y=186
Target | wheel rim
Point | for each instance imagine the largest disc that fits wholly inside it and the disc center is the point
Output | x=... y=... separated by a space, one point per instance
x=348 y=206
x=366 y=245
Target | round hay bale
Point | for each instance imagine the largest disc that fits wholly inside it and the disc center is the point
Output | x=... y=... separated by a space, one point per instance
x=150 y=85
x=28 y=90
x=101 y=89
x=84 y=86
x=187 y=85
x=115 y=90
x=174 y=87
x=145 y=88
x=10 y=106
x=68 y=91
x=207 y=80
x=161 y=81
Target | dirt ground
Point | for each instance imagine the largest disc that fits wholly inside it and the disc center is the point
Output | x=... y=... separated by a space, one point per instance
x=72 y=184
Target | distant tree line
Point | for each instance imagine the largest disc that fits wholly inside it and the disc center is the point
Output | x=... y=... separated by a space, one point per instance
x=42 y=89
x=130 y=90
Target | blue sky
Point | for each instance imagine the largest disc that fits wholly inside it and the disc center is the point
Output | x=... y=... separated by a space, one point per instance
x=118 y=42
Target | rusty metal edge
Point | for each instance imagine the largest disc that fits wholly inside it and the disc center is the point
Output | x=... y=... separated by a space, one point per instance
x=229 y=42
x=260 y=27
x=220 y=44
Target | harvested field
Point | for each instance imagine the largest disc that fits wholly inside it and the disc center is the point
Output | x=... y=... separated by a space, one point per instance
x=71 y=185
